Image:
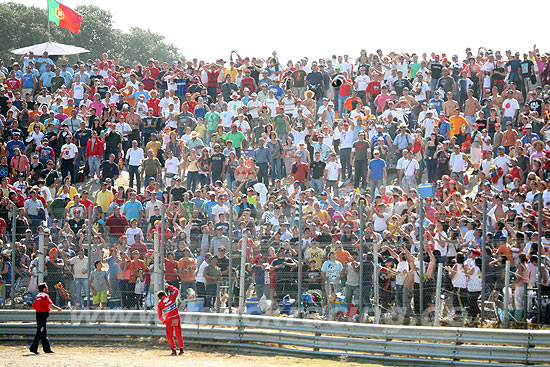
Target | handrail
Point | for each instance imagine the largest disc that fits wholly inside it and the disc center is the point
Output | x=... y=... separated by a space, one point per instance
x=378 y=343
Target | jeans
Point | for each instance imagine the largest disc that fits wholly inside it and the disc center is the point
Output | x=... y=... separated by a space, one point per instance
x=408 y=182
x=124 y=293
x=67 y=167
x=115 y=288
x=345 y=155
x=262 y=290
x=93 y=162
x=334 y=185
x=192 y=180
x=399 y=295
x=134 y=170
x=186 y=285
x=352 y=291
x=433 y=85
x=341 y=101
x=317 y=185
x=276 y=169
x=80 y=283
x=80 y=157
x=211 y=295
x=263 y=174
x=375 y=183
x=407 y=296
x=360 y=179
x=201 y=291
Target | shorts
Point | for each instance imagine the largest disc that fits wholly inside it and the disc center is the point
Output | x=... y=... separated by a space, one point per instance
x=100 y=297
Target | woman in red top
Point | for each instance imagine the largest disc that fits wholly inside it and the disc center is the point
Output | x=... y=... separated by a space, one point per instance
x=42 y=305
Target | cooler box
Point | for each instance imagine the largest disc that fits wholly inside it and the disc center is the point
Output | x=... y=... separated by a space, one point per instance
x=252 y=307
x=114 y=303
x=426 y=190
x=287 y=305
x=195 y=304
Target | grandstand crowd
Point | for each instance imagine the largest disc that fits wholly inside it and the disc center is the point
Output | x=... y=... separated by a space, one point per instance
x=103 y=151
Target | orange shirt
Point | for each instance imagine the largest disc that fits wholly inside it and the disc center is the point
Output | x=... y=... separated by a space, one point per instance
x=343 y=256
x=458 y=123
x=187 y=269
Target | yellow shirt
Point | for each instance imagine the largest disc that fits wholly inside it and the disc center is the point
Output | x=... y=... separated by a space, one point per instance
x=200 y=129
x=315 y=254
x=233 y=74
x=72 y=192
x=154 y=145
x=67 y=110
x=104 y=199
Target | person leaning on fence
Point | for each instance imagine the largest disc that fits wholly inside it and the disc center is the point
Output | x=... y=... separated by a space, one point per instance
x=42 y=305
x=168 y=314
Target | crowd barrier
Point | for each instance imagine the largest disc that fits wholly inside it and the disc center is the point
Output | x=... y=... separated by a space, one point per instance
x=402 y=345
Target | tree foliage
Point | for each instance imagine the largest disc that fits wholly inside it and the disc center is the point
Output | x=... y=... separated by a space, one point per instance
x=24 y=25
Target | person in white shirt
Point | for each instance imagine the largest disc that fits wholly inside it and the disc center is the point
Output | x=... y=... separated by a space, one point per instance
x=333 y=170
x=68 y=155
x=428 y=124
x=457 y=164
x=171 y=168
x=134 y=157
x=510 y=107
x=346 y=144
x=407 y=168
x=165 y=102
x=254 y=108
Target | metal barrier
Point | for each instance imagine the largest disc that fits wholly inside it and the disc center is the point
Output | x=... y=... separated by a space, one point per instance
x=376 y=343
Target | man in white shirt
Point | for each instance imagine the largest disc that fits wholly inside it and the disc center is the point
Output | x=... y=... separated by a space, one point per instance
x=134 y=157
x=361 y=82
x=165 y=102
x=428 y=124
x=407 y=168
x=510 y=107
x=272 y=103
x=346 y=144
x=333 y=171
x=171 y=167
x=68 y=155
x=457 y=164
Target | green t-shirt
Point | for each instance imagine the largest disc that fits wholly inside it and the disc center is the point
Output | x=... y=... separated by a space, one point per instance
x=212 y=120
x=236 y=138
x=150 y=166
x=212 y=271
x=280 y=126
x=57 y=82
x=57 y=208
x=415 y=66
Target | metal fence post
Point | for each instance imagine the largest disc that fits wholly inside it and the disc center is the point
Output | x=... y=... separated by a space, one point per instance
x=421 y=262
x=505 y=312
x=539 y=263
x=13 y=239
x=40 y=273
x=242 y=273
x=230 y=271
x=376 y=285
x=483 y=258
x=162 y=245
x=361 y=242
x=156 y=266
x=300 y=265
x=438 y=294
x=89 y=295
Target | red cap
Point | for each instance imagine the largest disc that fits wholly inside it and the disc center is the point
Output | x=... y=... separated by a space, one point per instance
x=188 y=94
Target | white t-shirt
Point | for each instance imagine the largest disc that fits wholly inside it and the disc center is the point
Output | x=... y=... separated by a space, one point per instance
x=172 y=165
x=254 y=108
x=164 y=103
x=362 y=82
x=410 y=166
x=510 y=107
x=440 y=243
x=458 y=163
x=135 y=156
x=69 y=151
x=80 y=267
x=332 y=170
x=428 y=125
x=380 y=224
x=272 y=103
x=402 y=267
x=420 y=90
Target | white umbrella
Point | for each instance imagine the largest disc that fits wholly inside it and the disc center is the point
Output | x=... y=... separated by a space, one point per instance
x=52 y=48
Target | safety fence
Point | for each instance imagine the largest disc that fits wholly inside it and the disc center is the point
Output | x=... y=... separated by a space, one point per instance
x=404 y=345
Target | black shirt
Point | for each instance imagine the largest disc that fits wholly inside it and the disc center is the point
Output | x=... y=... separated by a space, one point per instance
x=317 y=169
x=112 y=140
x=218 y=160
x=109 y=170
x=177 y=193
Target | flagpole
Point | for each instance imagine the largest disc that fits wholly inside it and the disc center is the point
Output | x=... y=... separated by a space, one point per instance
x=48 y=20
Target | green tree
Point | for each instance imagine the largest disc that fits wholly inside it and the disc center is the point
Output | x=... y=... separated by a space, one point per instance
x=28 y=25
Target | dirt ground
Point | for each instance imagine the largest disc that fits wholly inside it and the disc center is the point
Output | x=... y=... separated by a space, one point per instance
x=149 y=355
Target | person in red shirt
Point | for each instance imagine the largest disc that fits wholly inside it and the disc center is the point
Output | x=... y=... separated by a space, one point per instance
x=171 y=270
x=300 y=172
x=42 y=305
x=133 y=267
x=153 y=103
x=169 y=315
x=212 y=82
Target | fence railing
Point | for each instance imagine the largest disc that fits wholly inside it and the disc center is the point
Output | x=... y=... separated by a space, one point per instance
x=376 y=343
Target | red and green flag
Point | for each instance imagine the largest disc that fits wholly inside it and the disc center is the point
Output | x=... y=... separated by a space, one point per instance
x=63 y=16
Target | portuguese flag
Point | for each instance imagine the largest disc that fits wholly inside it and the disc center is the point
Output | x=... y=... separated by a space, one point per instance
x=63 y=16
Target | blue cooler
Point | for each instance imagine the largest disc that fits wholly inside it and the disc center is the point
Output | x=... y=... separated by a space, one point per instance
x=252 y=307
x=426 y=190
x=287 y=305
x=195 y=304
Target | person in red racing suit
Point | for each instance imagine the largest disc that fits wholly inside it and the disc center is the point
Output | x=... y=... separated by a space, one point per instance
x=168 y=313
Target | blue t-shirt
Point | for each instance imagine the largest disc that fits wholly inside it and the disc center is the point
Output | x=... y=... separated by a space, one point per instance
x=27 y=81
x=444 y=128
x=132 y=210
x=144 y=93
x=259 y=274
x=438 y=104
x=46 y=78
x=113 y=267
x=43 y=66
x=12 y=144
x=377 y=169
